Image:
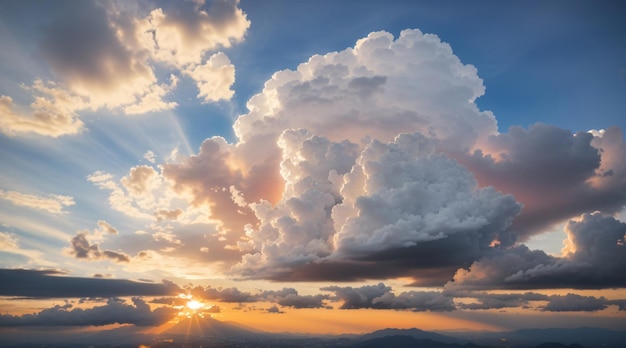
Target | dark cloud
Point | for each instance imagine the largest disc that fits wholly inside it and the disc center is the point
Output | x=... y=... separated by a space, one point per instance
x=286 y=297
x=274 y=309
x=82 y=47
x=554 y=173
x=52 y=284
x=224 y=294
x=114 y=312
x=485 y=300
x=81 y=248
x=595 y=258
x=381 y=296
x=303 y=301
x=575 y=303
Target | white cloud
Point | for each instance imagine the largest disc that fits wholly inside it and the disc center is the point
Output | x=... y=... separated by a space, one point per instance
x=146 y=194
x=8 y=241
x=150 y=157
x=214 y=78
x=339 y=207
x=44 y=118
x=103 y=56
x=183 y=34
x=53 y=203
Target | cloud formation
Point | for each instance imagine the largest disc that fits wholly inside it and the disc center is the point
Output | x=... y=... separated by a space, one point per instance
x=374 y=163
x=52 y=204
x=54 y=284
x=381 y=296
x=82 y=248
x=391 y=206
x=110 y=56
x=114 y=312
x=554 y=173
x=594 y=258
x=286 y=297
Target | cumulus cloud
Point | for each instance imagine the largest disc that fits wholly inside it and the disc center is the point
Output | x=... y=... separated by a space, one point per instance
x=594 y=258
x=182 y=33
x=274 y=309
x=106 y=55
x=375 y=162
x=146 y=193
x=52 y=204
x=106 y=227
x=381 y=296
x=397 y=206
x=55 y=284
x=214 y=78
x=286 y=297
x=361 y=91
x=114 y=312
x=378 y=88
x=575 y=303
x=150 y=156
x=43 y=118
x=82 y=248
x=485 y=300
x=554 y=173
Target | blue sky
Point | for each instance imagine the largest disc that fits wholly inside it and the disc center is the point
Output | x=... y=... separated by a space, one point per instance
x=256 y=143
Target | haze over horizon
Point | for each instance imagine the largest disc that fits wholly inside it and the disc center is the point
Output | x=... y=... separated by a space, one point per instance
x=312 y=166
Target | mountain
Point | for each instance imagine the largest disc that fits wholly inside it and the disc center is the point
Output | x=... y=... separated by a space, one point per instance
x=404 y=341
x=558 y=345
x=197 y=327
x=208 y=332
x=586 y=337
x=413 y=333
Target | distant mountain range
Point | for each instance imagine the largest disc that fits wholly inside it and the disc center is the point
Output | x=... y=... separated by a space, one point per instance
x=208 y=332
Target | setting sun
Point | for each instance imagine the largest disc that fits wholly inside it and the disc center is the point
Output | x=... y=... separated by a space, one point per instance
x=194 y=305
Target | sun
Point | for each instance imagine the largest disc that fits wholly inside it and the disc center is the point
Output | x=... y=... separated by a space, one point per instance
x=194 y=305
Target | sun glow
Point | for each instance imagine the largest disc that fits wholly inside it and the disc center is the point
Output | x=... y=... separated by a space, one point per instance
x=194 y=305
x=190 y=307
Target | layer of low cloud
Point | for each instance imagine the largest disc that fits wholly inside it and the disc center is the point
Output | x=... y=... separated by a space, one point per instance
x=54 y=284
x=381 y=296
x=286 y=297
x=115 y=311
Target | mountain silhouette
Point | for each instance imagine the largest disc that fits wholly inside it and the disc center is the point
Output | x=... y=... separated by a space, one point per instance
x=206 y=327
x=414 y=333
x=404 y=341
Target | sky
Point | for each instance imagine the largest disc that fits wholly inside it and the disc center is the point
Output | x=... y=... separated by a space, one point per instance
x=313 y=166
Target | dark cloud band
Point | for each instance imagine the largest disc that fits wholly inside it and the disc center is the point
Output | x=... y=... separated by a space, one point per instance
x=51 y=284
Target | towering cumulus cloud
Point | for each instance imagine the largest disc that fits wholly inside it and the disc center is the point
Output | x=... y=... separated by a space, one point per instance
x=326 y=185
x=375 y=162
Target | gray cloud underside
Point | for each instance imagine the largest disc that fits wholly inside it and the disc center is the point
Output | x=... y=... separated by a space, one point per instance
x=50 y=284
x=286 y=297
x=596 y=259
x=114 y=312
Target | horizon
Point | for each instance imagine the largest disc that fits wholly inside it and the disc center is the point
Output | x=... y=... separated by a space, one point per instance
x=334 y=167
